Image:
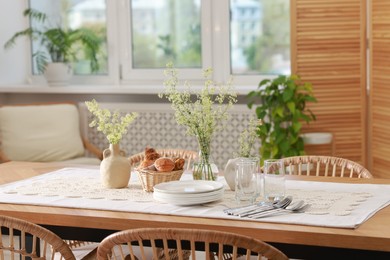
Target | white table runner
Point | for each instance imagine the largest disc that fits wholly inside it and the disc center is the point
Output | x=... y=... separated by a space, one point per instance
x=333 y=204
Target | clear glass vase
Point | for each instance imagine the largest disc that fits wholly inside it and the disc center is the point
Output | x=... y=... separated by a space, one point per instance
x=204 y=168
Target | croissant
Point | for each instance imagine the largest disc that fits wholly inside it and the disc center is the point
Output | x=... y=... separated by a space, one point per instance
x=179 y=164
x=149 y=150
x=152 y=156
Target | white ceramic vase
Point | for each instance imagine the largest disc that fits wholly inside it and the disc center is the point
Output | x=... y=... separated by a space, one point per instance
x=230 y=170
x=230 y=173
x=115 y=168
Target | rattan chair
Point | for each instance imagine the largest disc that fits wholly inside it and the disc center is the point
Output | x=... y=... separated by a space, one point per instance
x=14 y=237
x=162 y=240
x=330 y=166
x=187 y=155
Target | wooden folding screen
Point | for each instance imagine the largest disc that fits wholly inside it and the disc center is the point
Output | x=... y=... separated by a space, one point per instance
x=379 y=125
x=329 y=50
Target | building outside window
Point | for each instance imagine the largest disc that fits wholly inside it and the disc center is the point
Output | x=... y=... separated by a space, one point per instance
x=263 y=46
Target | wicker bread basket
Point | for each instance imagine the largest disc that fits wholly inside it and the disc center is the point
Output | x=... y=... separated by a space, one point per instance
x=150 y=178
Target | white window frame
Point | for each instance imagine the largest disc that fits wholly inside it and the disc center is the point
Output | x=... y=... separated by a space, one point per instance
x=129 y=75
x=112 y=76
x=239 y=80
x=215 y=35
x=215 y=49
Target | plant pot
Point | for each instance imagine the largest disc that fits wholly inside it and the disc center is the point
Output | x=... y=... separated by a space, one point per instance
x=115 y=168
x=58 y=74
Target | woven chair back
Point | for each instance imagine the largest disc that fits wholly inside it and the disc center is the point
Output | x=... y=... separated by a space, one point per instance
x=186 y=243
x=21 y=239
x=328 y=166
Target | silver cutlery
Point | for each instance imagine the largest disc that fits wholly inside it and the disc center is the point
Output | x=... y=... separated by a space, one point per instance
x=259 y=207
x=279 y=205
x=252 y=206
x=300 y=207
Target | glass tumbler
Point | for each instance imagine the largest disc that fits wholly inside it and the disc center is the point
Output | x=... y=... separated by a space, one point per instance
x=274 y=180
x=246 y=182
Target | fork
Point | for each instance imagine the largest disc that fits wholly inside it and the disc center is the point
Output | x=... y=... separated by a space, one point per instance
x=297 y=209
x=246 y=207
x=259 y=206
x=279 y=205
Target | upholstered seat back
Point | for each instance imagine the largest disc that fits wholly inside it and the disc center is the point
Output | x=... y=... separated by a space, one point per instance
x=45 y=133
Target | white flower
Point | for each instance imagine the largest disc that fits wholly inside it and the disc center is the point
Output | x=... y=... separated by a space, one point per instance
x=112 y=125
x=199 y=112
x=248 y=137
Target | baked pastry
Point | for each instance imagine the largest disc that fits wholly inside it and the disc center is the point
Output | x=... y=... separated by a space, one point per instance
x=145 y=164
x=164 y=164
x=151 y=154
x=179 y=164
x=150 y=157
x=149 y=150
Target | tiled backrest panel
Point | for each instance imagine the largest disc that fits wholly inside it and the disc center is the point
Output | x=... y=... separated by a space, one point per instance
x=156 y=127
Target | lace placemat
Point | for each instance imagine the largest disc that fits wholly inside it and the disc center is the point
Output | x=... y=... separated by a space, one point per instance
x=332 y=204
x=321 y=201
x=336 y=203
x=82 y=187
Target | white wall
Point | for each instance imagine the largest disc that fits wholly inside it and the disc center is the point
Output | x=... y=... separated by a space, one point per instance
x=14 y=63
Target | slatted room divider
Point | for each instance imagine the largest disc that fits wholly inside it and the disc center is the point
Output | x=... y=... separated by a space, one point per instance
x=379 y=125
x=329 y=50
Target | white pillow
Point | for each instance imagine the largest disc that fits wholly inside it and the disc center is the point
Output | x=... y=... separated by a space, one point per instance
x=40 y=133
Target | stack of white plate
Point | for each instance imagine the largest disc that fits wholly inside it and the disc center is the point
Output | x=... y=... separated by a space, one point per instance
x=185 y=193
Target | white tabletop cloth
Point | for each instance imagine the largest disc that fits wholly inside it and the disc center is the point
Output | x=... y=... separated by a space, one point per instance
x=334 y=204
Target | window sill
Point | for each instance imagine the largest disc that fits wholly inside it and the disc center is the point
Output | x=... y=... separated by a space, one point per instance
x=100 y=89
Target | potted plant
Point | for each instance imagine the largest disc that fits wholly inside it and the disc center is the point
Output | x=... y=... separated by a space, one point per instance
x=281 y=105
x=59 y=46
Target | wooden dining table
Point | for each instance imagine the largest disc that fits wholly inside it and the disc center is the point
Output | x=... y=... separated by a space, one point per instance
x=371 y=239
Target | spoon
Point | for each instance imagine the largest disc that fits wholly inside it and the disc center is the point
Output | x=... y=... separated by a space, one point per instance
x=295 y=205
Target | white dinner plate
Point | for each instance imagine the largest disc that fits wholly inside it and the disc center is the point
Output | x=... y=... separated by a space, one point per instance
x=187 y=195
x=188 y=201
x=188 y=187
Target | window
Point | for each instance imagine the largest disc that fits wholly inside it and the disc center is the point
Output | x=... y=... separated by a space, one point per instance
x=165 y=30
x=76 y=14
x=262 y=47
x=244 y=38
x=162 y=31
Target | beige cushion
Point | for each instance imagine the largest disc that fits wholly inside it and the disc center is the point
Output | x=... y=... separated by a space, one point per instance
x=40 y=132
x=82 y=161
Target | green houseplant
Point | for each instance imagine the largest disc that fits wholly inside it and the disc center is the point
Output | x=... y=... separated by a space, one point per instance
x=58 y=45
x=281 y=105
